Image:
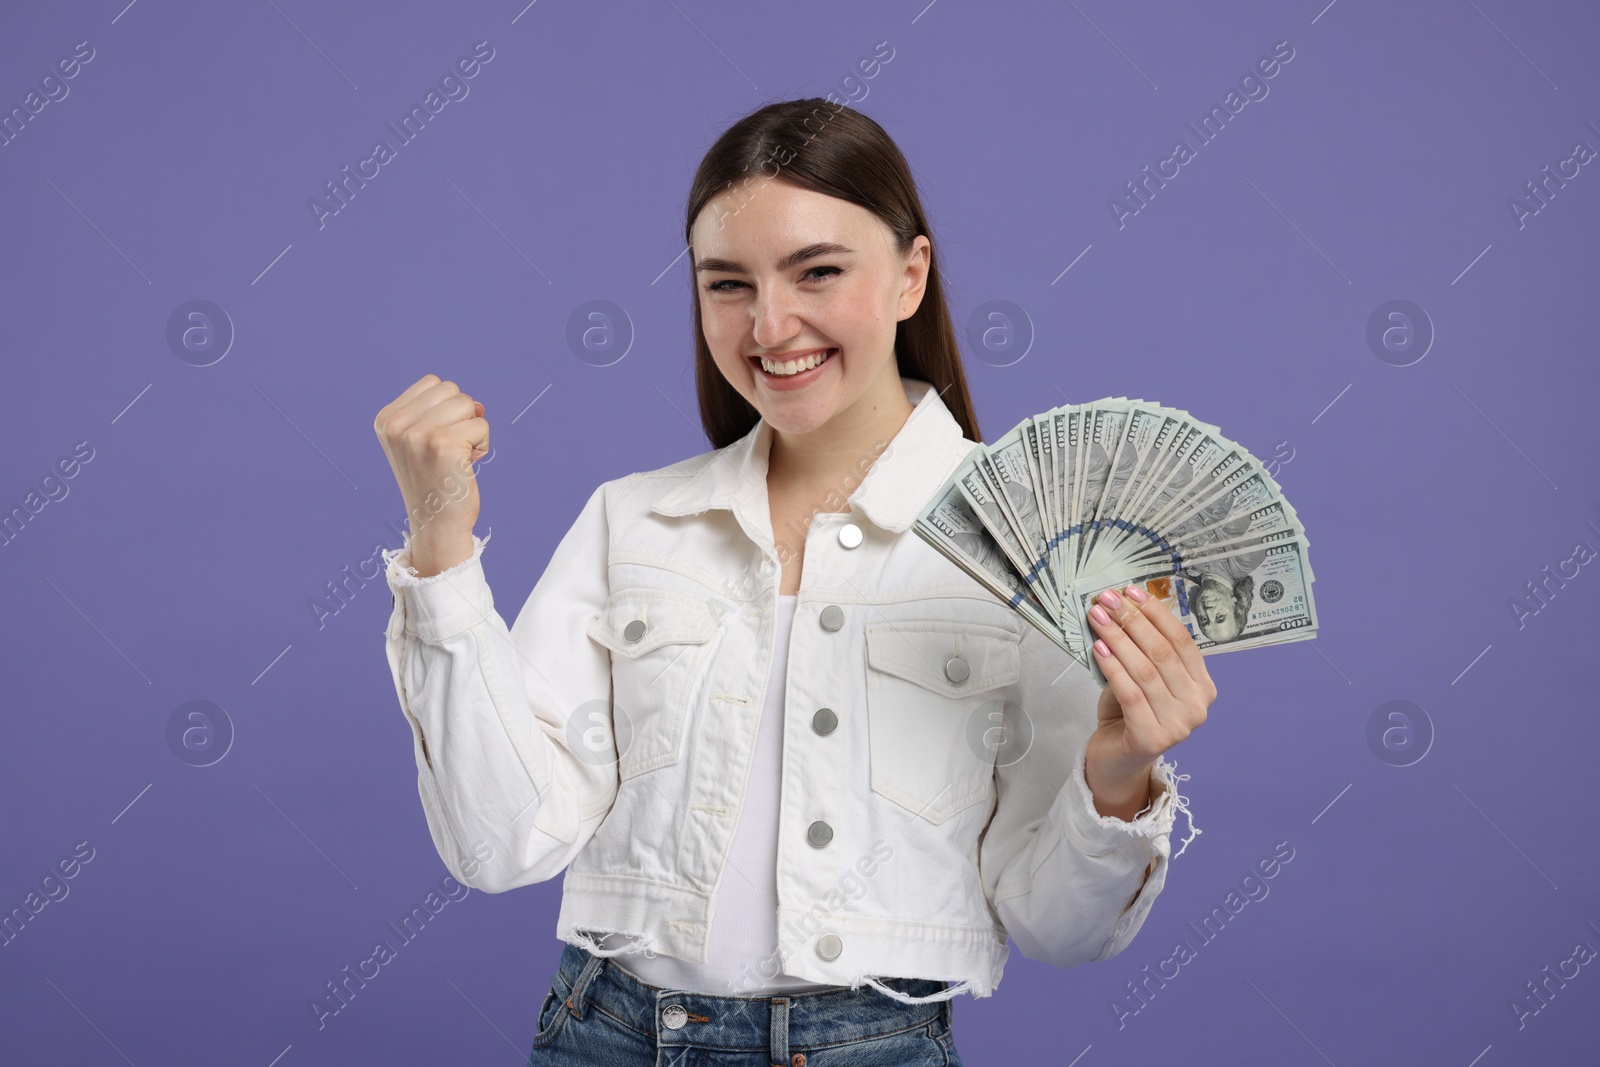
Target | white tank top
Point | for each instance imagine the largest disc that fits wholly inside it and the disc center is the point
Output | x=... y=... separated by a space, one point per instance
x=742 y=944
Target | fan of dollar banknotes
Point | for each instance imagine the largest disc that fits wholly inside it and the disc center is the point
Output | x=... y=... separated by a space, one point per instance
x=1095 y=496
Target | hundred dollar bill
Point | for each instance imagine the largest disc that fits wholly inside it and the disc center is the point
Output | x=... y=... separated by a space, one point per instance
x=1243 y=600
x=1019 y=490
x=1172 y=471
x=1104 y=432
x=974 y=486
x=1249 y=507
x=950 y=525
x=1132 y=435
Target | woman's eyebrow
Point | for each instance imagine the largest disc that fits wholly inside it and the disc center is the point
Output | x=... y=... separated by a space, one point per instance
x=795 y=258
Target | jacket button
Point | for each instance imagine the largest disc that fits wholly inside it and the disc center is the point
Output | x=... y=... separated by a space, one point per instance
x=819 y=833
x=832 y=617
x=634 y=630
x=956 y=669
x=829 y=946
x=766 y=568
x=675 y=1015
x=824 y=721
x=849 y=535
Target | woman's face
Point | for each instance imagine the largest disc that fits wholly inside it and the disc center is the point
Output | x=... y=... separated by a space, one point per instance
x=843 y=299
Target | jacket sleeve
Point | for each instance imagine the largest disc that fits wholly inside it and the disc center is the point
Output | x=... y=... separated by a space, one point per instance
x=511 y=782
x=1070 y=885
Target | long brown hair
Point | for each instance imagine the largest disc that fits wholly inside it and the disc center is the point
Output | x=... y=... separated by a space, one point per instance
x=836 y=150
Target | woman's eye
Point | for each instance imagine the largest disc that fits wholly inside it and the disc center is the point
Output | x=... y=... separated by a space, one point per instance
x=726 y=284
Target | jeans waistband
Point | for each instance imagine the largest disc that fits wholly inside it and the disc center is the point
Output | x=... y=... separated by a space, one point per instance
x=680 y=1017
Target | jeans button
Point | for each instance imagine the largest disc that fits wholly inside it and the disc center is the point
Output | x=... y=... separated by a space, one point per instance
x=819 y=833
x=824 y=721
x=832 y=617
x=829 y=946
x=634 y=630
x=956 y=669
x=675 y=1015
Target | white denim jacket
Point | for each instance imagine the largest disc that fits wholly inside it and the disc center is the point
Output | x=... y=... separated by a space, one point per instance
x=911 y=841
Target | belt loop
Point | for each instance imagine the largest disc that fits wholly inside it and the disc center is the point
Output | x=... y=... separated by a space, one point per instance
x=578 y=999
x=780 y=1031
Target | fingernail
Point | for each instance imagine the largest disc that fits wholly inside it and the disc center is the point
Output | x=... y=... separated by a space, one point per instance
x=1137 y=595
x=1111 y=600
x=1100 y=647
x=1098 y=614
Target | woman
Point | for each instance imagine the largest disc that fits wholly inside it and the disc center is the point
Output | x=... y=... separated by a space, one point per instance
x=803 y=775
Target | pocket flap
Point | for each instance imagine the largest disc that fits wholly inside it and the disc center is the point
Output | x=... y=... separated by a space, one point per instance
x=921 y=652
x=663 y=617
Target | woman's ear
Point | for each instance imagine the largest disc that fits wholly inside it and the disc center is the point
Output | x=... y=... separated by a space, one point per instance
x=918 y=262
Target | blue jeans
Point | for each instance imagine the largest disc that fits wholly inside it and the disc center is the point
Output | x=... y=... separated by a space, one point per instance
x=598 y=1012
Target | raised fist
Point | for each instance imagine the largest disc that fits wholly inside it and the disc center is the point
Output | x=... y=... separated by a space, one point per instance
x=432 y=434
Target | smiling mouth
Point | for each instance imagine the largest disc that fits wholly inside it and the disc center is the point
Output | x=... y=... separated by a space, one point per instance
x=791 y=367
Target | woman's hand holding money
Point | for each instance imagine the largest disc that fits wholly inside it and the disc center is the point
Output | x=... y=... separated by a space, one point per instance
x=1157 y=695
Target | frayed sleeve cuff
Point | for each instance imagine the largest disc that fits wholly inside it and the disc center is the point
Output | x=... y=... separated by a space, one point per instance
x=443 y=604
x=1098 y=834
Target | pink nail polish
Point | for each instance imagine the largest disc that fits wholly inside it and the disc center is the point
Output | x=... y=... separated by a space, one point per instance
x=1111 y=600
x=1137 y=595
x=1098 y=614
x=1100 y=647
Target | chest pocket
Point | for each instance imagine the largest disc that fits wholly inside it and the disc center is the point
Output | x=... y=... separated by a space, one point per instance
x=933 y=698
x=660 y=642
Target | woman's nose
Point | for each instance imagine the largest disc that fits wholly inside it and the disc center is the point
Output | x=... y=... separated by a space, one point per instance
x=775 y=317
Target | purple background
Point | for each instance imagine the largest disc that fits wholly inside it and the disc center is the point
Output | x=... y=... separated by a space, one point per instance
x=183 y=562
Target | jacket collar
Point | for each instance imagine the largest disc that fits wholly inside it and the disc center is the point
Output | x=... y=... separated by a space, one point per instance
x=917 y=461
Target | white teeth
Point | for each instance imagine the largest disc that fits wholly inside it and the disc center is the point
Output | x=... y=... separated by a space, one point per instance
x=794 y=366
